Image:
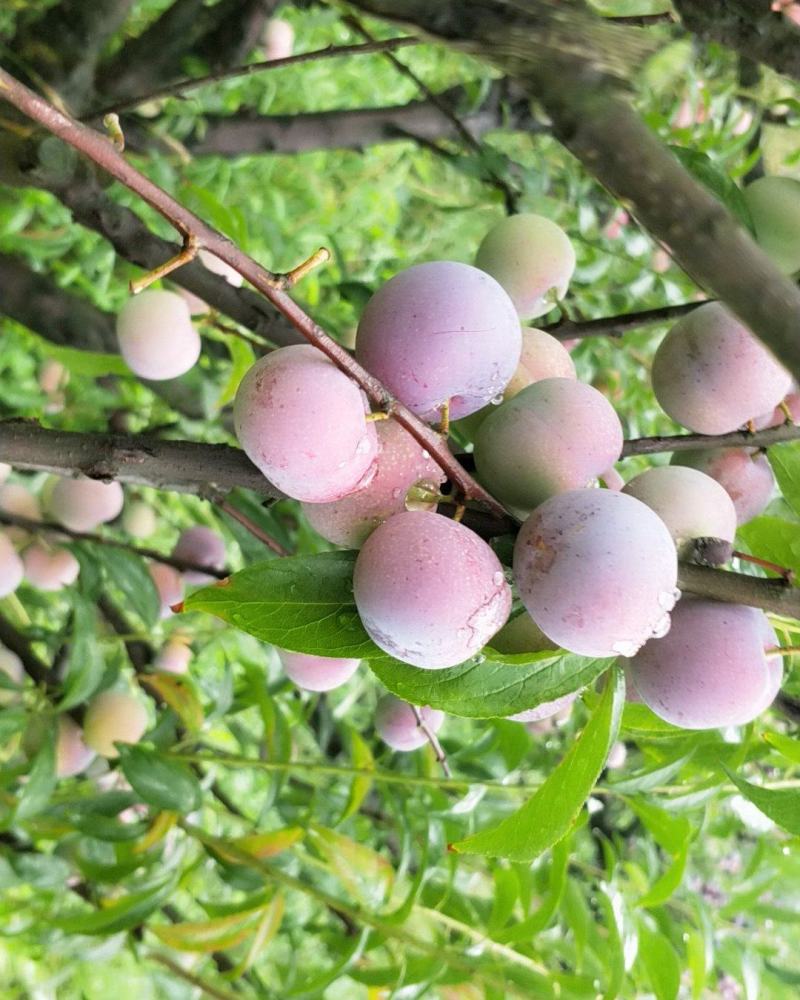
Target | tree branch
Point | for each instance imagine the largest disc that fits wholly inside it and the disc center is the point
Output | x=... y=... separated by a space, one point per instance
x=14 y=640
x=775 y=596
x=749 y=27
x=617 y=326
x=180 y=87
x=571 y=61
x=104 y=154
x=249 y=134
x=183 y=466
x=692 y=442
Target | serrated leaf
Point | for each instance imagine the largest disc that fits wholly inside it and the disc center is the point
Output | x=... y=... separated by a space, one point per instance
x=167 y=784
x=36 y=791
x=550 y=813
x=781 y=805
x=177 y=692
x=774 y=539
x=85 y=666
x=491 y=685
x=301 y=603
x=129 y=574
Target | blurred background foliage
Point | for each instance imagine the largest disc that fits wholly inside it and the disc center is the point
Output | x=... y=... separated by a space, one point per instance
x=672 y=883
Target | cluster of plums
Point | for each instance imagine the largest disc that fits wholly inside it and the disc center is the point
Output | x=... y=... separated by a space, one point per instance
x=596 y=569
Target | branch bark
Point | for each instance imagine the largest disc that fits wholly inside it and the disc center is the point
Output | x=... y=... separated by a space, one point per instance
x=271 y=286
x=692 y=442
x=183 y=466
x=572 y=61
x=736 y=588
x=749 y=27
x=617 y=326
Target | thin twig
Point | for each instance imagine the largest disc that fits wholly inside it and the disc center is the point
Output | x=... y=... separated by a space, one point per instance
x=202 y=984
x=617 y=326
x=690 y=442
x=182 y=565
x=102 y=152
x=433 y=739
x=251 y=526
x=251 y=69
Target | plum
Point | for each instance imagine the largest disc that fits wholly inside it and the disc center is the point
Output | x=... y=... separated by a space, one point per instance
x=113 y=717
x=533 y=260
x=597 y=572
x=542 y=357
x=429 y=591
x=553 y=436
x=11 y=666
x=83 y=504
x=156 y=336
x=690 y=503
x=278 y=39
x=397 y=725
x=11 y=566
x=712 y=375
x=203 y=547
x=139 y=519
x=302 y=422
x=713 y=668
x=18 y=500
x=316 y=673
x=546 y=710
x=774 y=204
x=48 y=567
x=401 y=464
x=440 y=333
x=72 y=753
x=174 y=656
x=745 y=474
x=169 y=584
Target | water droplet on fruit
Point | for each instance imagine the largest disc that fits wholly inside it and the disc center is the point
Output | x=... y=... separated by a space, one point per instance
x=626 y=647
x=498 y=579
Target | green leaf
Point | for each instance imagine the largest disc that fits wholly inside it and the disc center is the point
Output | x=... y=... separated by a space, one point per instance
x=705 y=170
x=666 y=884
x=167 y=784
x=41 y=781
x=785 y=462
x=242 y=358
x=781 y=805
x=491 y=685
x=660 y=962
x=85 y=666
x=89 y=363
x=784 y=744
x=129 y=911
x=129 y=574
x=549 y=814
x=774 y=539
x=644 y=781
x=301 y=603
x=209 y=935
x=179 y=693
x=360 y=757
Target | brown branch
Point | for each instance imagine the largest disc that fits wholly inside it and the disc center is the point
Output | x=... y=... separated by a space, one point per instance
x=251 y=526
x=690 y=442
x=251 y=69
x=573 y=62
x=102 y=152
x=617 y=326
x=433 y=739
x=775 y=596
x=182 y=565
x=182 y=466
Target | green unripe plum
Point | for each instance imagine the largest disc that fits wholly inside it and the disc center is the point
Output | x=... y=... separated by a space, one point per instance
x=72 y=753
x=397 y=725
x=401 y=463
x=533 y=260
x=49 y=568
x=429 y=591
x=11 y=567
x=156 y=336
x=521 y=635
x=690 y=503
x=83 y=504
x=169 y=584
x=302 y=422
x=553 y=436
x=204 y=547
x=546 y=710
x=774 y=204
x=597 y=571
x=174 y=656
x=712 y=375
x=542 y=357
x=113 y=717
x=715 y=667
x=139 y=519
x=317 y=673
x=441 y=332
x=17 y=500
x=744 y=473
x=11 y=666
